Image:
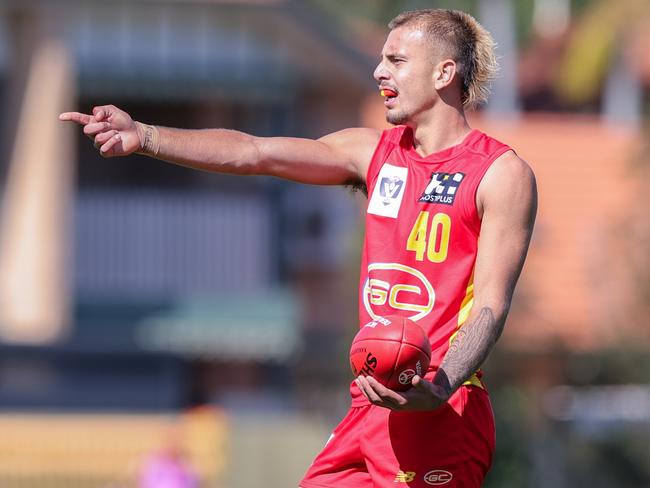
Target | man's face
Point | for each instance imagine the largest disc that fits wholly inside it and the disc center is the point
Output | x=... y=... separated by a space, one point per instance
x=407 y=69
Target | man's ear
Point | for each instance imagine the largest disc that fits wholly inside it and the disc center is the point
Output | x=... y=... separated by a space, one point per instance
x=444 y=74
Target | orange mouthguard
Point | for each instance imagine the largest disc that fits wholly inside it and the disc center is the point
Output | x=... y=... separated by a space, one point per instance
x=387 y=92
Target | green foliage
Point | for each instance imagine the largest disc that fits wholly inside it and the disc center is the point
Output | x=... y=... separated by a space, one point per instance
x=511 y=468
x=625 y=365
x=588 y=56
x=599 y=456
x=382 y=11
x=592 y=47
x=618 y=459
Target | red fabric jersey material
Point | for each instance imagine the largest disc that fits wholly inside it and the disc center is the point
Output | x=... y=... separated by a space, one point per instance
x=422 y=230
x=374 y=447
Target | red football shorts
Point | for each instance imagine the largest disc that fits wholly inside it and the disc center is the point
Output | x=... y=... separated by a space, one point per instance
x=374 y=447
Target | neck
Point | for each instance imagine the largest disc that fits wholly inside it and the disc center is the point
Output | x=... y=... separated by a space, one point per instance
x=446 y=126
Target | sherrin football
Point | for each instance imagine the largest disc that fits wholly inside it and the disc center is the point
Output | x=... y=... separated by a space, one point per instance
x=392 y=350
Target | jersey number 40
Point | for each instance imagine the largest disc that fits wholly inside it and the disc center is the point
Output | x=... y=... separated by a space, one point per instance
x=435 y=243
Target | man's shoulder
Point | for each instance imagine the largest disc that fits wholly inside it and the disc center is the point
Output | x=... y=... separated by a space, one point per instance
x=509 y=164
x=508 y=175
x=492 y=147
x=355 y=146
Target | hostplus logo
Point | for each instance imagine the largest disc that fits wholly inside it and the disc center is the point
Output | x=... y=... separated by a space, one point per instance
x=442 y=188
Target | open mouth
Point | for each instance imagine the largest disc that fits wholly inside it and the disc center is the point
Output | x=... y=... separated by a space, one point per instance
x=389 y=94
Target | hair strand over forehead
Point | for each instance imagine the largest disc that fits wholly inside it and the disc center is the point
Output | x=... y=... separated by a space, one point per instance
x=463 y=39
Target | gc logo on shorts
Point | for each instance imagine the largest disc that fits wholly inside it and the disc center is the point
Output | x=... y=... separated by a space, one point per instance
x=438 y=477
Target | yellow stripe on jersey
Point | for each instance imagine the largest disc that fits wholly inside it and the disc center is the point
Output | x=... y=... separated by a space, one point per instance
x=465 y=309
x=468 y=301
x=474 y=381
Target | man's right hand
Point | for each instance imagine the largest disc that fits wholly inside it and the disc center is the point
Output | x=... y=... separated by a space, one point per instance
x=340 y=158
x=113 y=131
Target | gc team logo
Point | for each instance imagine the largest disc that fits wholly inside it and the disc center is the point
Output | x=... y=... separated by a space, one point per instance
x=396 y=287
x=438 y=477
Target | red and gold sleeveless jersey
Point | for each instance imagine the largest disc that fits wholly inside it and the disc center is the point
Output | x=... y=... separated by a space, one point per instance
x=422 y=230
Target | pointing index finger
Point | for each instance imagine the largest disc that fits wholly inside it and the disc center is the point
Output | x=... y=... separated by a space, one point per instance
x=77 y=117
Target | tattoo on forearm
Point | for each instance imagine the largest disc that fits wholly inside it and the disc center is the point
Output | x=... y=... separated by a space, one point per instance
x=469 y=349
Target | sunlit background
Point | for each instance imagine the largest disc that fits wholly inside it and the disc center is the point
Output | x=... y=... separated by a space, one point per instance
x=153 y=314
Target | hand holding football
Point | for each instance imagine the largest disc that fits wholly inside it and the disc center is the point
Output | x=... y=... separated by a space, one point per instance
x=392 y=350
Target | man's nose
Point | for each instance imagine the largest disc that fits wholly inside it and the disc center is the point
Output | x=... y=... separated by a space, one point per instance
x=380 y=72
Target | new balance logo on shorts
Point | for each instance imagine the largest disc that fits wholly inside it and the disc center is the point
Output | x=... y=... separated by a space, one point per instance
x=442 y=188
x=404 y=476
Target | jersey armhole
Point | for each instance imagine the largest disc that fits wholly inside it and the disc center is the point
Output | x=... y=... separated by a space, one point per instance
x=473 y=213
x=387 y=142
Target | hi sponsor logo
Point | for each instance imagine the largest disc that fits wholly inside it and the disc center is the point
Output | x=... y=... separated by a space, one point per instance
x=388 y=193
x=394 y=287
x=442 y=188
x=437 y=477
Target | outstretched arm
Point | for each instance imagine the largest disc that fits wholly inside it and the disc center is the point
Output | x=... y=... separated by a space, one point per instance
x=507 y=199
x=339 y=158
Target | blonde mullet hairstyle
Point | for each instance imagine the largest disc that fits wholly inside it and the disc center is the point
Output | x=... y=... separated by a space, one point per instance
x=464 y=40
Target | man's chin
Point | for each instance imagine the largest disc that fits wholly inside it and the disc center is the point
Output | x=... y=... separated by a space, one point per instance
x=396 y=118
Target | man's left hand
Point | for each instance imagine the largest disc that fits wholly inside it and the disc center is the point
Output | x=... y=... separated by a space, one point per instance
x=423 y=395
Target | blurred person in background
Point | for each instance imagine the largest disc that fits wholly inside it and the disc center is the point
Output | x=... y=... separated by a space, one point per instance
x=168 y=467
x=434 y=186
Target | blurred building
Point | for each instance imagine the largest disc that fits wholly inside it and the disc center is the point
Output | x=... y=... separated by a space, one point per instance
x=181 y=267
x=135 y=285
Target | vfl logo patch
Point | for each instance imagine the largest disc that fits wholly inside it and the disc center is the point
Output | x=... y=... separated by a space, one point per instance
x=442 y=188
x=387 y=195
x=390 y=188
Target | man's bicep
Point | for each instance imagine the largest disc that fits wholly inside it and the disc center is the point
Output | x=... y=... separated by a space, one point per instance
x=356 y=146
x=337 y=158
x=508 y=196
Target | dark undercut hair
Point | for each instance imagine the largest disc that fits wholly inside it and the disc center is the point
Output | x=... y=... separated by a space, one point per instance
x=459 y=36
